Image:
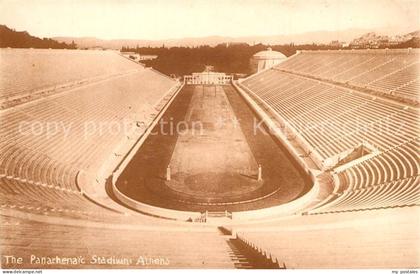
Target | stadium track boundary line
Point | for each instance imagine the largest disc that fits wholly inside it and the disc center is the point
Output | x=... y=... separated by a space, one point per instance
x=231 y=203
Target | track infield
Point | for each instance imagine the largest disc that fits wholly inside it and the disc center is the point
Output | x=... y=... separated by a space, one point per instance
x=208 y=140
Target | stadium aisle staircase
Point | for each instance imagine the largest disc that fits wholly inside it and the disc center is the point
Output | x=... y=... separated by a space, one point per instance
x=376 y=239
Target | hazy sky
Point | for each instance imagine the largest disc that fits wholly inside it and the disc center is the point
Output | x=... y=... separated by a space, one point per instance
x=162 y=19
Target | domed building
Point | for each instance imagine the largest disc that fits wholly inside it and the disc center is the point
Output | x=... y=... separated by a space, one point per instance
x=266 y=59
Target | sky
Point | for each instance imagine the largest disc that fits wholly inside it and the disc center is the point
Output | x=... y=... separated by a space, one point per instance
x=164 y=19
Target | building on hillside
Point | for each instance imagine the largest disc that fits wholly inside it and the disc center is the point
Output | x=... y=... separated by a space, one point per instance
x=374 y=41
x=266 y=59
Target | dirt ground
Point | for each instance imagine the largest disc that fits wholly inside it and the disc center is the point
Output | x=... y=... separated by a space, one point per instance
x=213 y=157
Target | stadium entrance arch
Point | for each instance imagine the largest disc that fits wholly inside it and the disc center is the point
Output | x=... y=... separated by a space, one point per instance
x=208 y=78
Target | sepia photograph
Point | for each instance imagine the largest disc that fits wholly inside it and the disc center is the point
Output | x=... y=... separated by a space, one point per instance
x=200 y=134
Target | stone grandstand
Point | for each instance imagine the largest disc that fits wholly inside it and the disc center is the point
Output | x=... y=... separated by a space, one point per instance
x=390 y=72
x=368 y=143
x=349 y=118
x=49 y=161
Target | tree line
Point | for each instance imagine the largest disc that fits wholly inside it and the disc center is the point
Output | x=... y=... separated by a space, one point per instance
x=22 y=39
x=228 y=58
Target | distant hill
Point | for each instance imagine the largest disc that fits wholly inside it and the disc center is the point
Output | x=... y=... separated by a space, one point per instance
x=412 y=43
x=22 y=39
x=374 y=40
x=302 y=38
x=414 y=34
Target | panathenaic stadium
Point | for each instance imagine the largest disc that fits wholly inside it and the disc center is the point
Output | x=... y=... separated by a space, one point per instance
x=312 y=163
